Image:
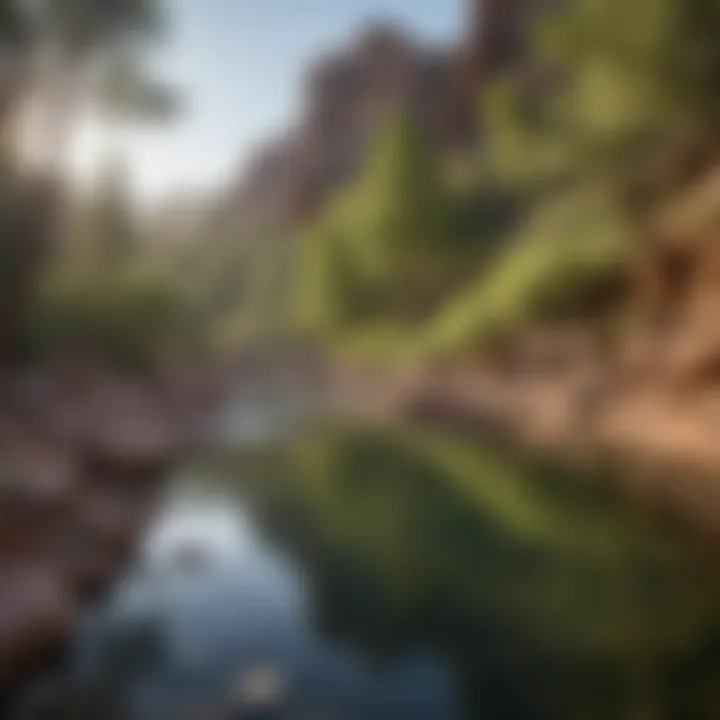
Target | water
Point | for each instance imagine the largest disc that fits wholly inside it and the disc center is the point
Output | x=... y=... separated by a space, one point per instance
x=349 y=574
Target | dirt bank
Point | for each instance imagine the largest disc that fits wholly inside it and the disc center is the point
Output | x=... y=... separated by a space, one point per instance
x=634 y=380
x=659 y=442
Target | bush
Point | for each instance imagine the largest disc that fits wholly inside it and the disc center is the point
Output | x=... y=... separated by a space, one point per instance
x=567 y=247
x=128 y=318
x=379 y=251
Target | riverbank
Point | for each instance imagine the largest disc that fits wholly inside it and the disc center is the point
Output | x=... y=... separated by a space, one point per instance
x=83 y=453
x=657 y=441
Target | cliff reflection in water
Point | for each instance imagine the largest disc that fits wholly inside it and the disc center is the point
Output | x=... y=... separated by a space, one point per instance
x=545 y=596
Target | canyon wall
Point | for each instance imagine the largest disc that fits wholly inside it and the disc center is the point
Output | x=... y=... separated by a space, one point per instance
x=494 y=42
x=349 y=94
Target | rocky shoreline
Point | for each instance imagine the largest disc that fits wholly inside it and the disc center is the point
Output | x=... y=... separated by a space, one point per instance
x=83 y=456
x=657 y=444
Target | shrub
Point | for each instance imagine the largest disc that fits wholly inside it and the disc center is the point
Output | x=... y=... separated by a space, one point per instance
x=565 y=248
x=128 y=318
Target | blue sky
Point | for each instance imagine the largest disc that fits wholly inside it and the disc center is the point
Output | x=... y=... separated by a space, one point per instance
x=239 y=65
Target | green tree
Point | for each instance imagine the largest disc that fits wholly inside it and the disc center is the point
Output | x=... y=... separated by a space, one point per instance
x=380 y=250
x=112 y=232
x=72 y=38
x=51 y=49
x=125 y=94
x=626 y=78
x=402 y=213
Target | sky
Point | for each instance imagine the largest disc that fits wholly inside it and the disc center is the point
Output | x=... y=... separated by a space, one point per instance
x=239 y=67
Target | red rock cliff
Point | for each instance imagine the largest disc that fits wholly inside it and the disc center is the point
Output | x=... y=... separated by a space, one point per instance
x=495 y=42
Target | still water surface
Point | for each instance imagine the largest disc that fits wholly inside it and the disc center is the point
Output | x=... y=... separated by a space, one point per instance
x=345 y=574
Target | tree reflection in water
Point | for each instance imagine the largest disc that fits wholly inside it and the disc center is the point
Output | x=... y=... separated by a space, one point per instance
x=442 y=580
x=546 y=596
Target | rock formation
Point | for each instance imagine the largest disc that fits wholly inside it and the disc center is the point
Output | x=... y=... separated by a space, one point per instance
x=348 y=96
x=82 y=457
x=351 y=93
x=495 y=42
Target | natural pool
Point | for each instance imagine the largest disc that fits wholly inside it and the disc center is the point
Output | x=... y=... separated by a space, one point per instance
x=388 y=574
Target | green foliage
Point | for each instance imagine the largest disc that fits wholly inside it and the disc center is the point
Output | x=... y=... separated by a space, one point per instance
x=400 y=190
x=507 y=117
x=421 y=252
x=330 y=294
x=76 y=38
x=378 y=250
x=626 y=75
x=414 y=539
x=488 y=536
x=613 y=92
x=605 y=89
x=84 y=25
x=125 y=91
x=110 y=224
x=27 y=209
x=13 y=24
x=128 y=318
x=105 y=294
x=565 y=248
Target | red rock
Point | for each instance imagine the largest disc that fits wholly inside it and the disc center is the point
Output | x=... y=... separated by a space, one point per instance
x=39 y=481
x=37 y=478
x=37 y=613
x=99 y=535
x=135 y=448
x=495 y=41
x=110 y=519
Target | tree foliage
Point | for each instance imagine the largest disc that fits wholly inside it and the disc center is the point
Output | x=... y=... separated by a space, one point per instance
x=378 y=248
x=571 y=134
x=108 y=302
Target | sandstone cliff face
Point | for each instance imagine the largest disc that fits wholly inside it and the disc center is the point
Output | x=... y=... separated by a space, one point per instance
x=495 y=42
x=382 y=72
x=678 y=289
x=348 y=96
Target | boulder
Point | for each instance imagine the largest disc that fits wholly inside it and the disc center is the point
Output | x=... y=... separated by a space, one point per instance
x=37 y=613
x=99 y=536
x=39 y=482
x=262 y=688
x=134 y=447
x=109 y=520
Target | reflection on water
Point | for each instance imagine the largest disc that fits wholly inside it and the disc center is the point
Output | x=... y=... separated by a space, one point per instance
x=385 y=575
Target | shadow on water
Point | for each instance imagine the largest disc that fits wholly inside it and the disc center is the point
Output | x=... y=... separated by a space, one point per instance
x=386 y=574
